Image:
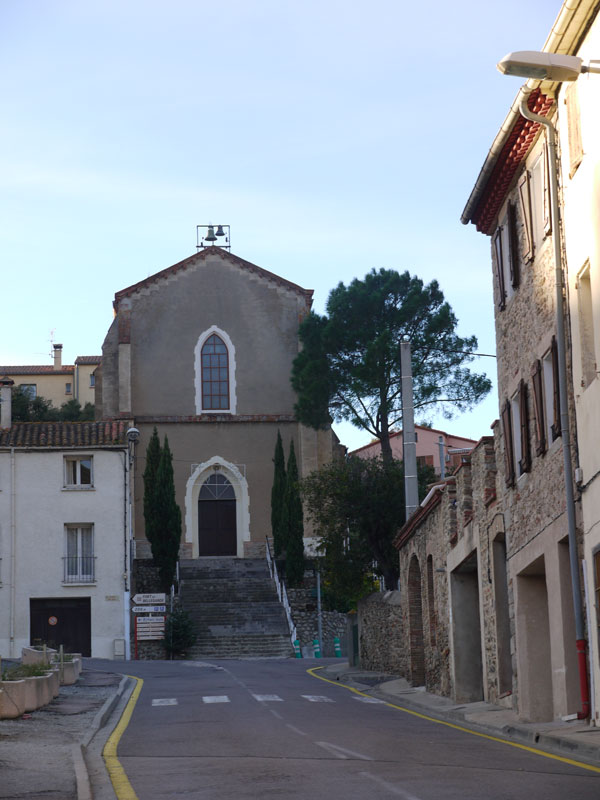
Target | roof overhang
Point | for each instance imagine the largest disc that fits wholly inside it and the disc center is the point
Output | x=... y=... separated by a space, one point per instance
x=517 y=135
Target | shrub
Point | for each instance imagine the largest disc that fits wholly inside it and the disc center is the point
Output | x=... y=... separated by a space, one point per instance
x=179 y=632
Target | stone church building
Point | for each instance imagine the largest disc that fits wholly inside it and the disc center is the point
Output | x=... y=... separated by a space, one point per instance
x=203 y=350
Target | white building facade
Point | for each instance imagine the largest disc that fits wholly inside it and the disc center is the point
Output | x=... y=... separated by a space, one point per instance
x=64 y=537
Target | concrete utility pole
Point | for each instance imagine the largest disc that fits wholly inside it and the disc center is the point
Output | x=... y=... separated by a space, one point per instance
x=409 y=442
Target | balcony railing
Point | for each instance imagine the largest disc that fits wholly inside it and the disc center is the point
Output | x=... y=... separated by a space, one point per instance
x=79 y=569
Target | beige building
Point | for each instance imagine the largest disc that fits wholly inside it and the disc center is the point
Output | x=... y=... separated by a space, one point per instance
x=57 y=382
x=434 y=448
x=578 y=122
x=203 y=351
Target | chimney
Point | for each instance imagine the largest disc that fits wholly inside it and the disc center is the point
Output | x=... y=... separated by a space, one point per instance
x=57 y=356
x=6 y=385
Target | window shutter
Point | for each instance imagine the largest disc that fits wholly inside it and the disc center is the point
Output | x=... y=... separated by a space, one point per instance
x=547 y=209
x=525 y=203
x=538 y=406
x=556 y=396
x=513 y=243
x=509 y=456
x=499 y=269
x=525 y=462
x=574 y=128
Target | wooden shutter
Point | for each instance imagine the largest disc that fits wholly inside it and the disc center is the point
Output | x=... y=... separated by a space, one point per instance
x=525 y=203
x=574 y=128
x=556 y=431
x=525 y=462
x=509 y=454
x=547 y=204
x=538 y=407
x=500 y=269
x=513 y=244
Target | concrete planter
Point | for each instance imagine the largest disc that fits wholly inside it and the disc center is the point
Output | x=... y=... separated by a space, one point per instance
x=38 y=692
x=54 y=681
x=29 y=655
x=12 y=699
x=70 y=671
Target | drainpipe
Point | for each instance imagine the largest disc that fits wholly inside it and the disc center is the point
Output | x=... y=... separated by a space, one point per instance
x=409 y=445
x=13 y=554
x=564 y=409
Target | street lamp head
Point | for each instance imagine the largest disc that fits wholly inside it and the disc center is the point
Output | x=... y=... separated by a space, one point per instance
x=133 y=435
x=543 y=66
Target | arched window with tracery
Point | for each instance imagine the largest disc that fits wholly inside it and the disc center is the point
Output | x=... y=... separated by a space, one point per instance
x=215 y=374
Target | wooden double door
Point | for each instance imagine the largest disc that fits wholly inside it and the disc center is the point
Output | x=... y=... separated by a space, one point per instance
x=217 y=526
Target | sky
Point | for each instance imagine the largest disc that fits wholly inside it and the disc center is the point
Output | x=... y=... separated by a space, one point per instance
x=333 y=138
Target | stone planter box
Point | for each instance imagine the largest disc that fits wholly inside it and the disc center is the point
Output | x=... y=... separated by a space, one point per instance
x=38 y=692
x=12 y=699
x=29 y=655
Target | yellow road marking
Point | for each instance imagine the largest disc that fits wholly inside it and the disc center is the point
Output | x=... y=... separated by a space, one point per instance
x=537 y=752
x=120 y=781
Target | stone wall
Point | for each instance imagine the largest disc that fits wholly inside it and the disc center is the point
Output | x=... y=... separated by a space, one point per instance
x=303 y=603
x=382 y=634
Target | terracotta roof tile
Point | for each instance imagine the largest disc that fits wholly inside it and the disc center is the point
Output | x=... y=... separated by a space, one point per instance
x=88 y=359
x=202 y=255
x=37 y=369
x=65 y=434
x=512 y=155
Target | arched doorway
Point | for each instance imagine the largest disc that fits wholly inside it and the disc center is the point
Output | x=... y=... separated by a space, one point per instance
x=217 y=529
x=415 y=614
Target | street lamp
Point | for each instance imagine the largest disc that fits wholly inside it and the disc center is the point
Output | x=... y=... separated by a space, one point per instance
x=545 y=66
x=553 y=67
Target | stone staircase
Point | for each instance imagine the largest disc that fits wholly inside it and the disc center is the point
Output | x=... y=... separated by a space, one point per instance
x=233 y=603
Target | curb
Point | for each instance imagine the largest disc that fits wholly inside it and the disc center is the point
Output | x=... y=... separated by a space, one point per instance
x=531 y=737
x=82 y=778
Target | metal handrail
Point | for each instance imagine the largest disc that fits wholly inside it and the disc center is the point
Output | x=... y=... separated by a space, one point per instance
x=281 y=592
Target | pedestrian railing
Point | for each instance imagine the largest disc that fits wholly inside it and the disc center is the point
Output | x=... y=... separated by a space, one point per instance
x=281 y=593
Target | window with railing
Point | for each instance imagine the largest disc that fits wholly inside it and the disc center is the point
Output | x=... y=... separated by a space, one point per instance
x=79 y=560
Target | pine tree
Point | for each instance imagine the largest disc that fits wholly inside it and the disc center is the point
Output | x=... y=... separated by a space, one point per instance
x=294 y=551
x=150 y=516
x=168 y=519
x=278 y=496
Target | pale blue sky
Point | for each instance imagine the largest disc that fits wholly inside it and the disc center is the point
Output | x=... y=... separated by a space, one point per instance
x=333 y=137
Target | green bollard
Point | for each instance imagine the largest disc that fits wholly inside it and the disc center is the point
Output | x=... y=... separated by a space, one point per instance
x=316 y=648
x=297 y=651
x=336 y=647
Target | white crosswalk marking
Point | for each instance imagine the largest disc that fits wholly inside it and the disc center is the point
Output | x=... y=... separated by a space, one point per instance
x=267 y=698
x=164 y=701
x=215 y=698
x=317 y=698
x=368 y=700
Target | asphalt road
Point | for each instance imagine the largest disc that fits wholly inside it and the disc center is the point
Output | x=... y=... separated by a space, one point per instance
x=268 y=729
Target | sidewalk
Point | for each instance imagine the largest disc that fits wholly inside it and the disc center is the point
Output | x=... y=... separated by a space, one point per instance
x=574 y=739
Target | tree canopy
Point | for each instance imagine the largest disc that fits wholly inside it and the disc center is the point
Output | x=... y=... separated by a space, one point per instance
x=349 y=367
x=356 y=507
x=26 y=408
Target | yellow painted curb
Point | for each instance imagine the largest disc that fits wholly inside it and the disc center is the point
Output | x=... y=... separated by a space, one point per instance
x=537 y=752
x=120 y=781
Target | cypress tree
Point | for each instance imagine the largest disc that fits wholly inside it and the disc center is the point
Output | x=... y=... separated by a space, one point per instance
x=294 y=556
x=152 y=459
x=278 y=496
x=168 y=519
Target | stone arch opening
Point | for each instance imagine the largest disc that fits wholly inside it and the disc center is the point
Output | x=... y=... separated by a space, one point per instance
x=415 y=612
x=218 y=503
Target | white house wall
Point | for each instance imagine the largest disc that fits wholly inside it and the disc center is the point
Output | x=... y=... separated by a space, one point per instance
x=41 y=511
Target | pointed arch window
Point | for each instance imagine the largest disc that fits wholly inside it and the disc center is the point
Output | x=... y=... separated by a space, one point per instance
x=215 y=374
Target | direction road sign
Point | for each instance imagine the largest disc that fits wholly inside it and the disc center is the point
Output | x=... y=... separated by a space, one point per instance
x=139 y=599
x=149 y=609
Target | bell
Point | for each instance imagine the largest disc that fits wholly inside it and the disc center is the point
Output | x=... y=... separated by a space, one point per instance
x=210 y=236
x=220 y=231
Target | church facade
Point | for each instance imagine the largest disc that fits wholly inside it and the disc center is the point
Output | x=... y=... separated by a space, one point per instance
x=203 y=351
